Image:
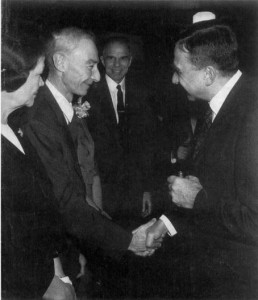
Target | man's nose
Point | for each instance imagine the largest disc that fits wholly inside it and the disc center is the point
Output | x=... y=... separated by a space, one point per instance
x=41 y=82
x=175 y=78
x=95 y=75
x=117 y=62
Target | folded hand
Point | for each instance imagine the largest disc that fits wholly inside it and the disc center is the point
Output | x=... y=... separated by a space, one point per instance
x=184 y=190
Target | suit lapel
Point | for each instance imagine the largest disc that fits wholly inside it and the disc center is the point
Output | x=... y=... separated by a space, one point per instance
x=49 y=98
x=10 y=147
x=229 y=105
x=107 y=104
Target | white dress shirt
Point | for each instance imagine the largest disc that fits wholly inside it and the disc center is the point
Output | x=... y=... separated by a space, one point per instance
x=215 y=105
x=65 y=106
x=218 y=100
x=113 y=92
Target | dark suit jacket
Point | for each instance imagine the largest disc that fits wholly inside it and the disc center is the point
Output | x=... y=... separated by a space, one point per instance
x=225 y=213
x=31 y=225
x=132 y=159
x=49 y=134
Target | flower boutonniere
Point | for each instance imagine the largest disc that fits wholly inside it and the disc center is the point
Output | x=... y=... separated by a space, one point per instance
x=81 y=109
x=20 y=132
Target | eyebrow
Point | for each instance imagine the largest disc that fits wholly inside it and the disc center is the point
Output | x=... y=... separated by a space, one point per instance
x=111 y=56
x=92 y=61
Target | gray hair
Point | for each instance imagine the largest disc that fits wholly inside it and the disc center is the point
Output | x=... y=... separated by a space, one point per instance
x=65 y=40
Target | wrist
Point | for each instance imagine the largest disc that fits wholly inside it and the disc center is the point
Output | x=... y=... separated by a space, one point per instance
x=169 y=228
x=161 y=227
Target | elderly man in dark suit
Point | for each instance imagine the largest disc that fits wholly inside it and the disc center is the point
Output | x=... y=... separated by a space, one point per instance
x=123 y=128
x=216 y=212
x=72 y=60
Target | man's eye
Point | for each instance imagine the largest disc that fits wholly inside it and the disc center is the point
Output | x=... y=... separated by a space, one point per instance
x=90 y=67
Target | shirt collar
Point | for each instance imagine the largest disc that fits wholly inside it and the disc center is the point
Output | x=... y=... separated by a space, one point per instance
x=112 y=84
x=65 y=106
x=218 y=100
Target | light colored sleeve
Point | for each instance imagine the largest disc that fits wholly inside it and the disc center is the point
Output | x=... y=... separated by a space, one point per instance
x=171 y=229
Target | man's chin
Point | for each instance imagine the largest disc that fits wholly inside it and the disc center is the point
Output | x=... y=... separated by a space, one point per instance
x=117 y=79
x=190 y=97
x=83 y=91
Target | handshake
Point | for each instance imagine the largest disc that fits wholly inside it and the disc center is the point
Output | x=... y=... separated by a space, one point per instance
x=148 y=238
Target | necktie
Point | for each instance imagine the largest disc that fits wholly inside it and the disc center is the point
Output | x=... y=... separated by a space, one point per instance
x=122 y=119
x=84 y=148
x=202 y=132
x=120 y=103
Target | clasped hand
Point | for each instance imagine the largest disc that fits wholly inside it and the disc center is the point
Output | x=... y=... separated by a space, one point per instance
x=184 y=190
x=138 y=243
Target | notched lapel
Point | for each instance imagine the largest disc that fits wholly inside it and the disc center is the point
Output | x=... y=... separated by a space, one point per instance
x=61 y=122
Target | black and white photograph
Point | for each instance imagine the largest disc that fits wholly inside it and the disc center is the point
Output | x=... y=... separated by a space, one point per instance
x=129 y=149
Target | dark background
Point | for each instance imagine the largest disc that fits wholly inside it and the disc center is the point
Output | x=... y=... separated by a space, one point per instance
x=152 y=26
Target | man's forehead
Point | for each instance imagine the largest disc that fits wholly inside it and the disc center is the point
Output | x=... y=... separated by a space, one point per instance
x=87 y=44
x=180 y=57
x=86 y=48
x=117 y=48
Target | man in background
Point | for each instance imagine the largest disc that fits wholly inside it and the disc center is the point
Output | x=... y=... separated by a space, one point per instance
x=123 y=129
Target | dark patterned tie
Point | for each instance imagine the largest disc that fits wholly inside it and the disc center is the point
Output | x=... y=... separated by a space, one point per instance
x=202 y=132
x=120 y=103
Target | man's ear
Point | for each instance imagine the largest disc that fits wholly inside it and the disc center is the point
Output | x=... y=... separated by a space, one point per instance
x=131 y=59
x=59 y=61
x=102 y=60
x=210 y=75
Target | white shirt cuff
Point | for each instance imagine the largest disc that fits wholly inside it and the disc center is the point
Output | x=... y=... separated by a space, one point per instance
x=171 y=229
x=66 y=279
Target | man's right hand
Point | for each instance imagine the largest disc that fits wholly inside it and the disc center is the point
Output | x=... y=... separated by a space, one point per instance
x=155 y=233
x=138 y=243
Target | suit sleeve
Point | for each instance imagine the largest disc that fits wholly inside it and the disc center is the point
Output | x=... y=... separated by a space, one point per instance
x=81 y=220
